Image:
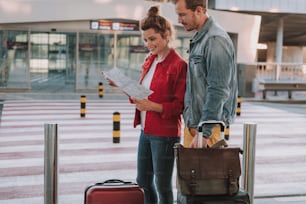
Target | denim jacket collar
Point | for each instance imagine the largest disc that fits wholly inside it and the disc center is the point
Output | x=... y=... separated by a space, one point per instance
x=199 y=35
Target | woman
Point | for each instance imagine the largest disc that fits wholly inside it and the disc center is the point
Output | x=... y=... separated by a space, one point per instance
x=164 y=72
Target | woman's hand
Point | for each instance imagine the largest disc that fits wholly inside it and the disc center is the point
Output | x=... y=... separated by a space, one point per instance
x=147 y=105
x=142 y=104
x=108 y=81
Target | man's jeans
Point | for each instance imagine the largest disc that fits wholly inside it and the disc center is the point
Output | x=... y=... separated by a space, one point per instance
x=155 y=167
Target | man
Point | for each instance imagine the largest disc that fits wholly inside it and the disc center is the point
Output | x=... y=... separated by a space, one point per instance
x=211 y=92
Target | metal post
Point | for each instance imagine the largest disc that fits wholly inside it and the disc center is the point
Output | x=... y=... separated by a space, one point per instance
x=249 y=143
x=51 y=164
x=279 y=48
x=115 y=48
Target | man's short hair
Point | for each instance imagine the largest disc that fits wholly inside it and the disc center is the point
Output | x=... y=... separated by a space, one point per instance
x=192 y=4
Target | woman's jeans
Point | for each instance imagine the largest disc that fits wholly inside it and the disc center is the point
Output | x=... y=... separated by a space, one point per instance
x=155 y=167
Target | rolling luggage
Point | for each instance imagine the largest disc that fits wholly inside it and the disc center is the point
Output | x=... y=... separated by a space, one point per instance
x=240 y=198
x=114 y=192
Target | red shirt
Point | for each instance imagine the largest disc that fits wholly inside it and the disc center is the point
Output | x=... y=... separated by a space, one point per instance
x=168 y=84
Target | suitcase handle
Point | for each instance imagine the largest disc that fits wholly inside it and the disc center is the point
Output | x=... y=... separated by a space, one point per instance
x=200 y=129
x=114 y=182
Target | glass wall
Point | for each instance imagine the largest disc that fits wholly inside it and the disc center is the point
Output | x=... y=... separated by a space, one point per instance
x=53 y=61
x=70 y=58
x=14 y=53
x=36 y=60
x=95 y=54
x=131 y=54
x=181 y=45
x=3 y=59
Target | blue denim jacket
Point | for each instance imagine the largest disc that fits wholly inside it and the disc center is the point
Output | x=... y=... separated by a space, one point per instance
x=211 y=92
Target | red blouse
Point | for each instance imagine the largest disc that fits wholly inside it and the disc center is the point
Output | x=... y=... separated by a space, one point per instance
x=168 y=84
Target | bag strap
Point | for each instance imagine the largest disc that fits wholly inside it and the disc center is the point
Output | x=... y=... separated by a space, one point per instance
x=232 y=183
x=193 y=182
x=219 y=144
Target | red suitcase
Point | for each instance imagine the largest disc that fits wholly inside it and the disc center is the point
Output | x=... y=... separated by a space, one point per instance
x=114 y=192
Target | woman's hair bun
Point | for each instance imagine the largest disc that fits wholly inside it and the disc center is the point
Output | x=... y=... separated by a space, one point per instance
x=154 y=11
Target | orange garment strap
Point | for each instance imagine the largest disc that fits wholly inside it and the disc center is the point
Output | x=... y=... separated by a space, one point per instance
x=190 y=133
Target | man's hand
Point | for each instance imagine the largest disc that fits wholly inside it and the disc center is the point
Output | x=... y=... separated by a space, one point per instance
x=194 y=142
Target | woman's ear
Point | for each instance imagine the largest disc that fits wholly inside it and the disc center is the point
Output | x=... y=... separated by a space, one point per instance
x=166 y=35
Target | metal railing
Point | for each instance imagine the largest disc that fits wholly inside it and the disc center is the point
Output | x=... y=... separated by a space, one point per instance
x=281 y=71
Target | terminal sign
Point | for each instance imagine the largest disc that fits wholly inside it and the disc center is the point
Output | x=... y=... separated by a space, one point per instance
x=110 y=25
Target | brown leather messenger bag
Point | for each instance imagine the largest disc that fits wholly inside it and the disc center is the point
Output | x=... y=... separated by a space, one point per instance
x=210 y=171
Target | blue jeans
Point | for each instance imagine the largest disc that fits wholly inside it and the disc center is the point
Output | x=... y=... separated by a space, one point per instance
x=155 y=163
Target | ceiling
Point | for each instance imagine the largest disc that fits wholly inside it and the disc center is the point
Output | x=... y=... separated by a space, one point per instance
x=294 y=33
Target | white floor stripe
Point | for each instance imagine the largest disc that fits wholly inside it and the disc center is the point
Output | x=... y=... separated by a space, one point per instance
x=65 y=127
x=78 y=159
x=86 y=177
x=79 y=146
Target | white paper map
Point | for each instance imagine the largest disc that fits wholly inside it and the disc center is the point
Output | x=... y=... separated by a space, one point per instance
x=129 y=86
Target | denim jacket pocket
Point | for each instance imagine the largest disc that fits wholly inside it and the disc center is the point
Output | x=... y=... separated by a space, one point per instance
x=197 y=66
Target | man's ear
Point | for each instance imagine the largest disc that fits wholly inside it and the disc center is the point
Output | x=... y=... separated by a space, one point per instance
x=200 y=10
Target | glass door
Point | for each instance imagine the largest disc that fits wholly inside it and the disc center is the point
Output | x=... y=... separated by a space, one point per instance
x=52 y=64
x=70 y=58
x=95 y=54
x=14 y=60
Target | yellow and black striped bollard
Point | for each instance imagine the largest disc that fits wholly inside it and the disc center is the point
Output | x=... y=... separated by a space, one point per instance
x=101 y=90
x=227 y=132
x=83 y=106
x=238 y=110
x=116 y=127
